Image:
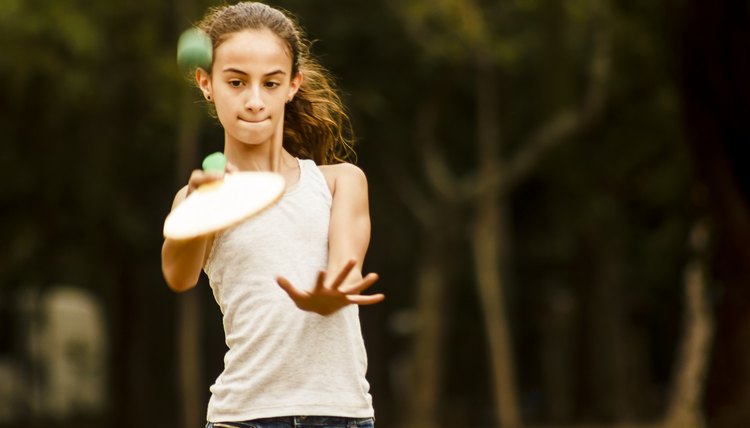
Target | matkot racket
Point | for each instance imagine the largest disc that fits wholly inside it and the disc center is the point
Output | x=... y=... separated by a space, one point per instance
x=223 y=203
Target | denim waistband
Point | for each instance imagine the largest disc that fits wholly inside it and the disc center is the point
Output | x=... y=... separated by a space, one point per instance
x=298 y=422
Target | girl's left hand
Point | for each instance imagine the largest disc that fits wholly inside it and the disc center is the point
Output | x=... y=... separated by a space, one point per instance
x=326 y=299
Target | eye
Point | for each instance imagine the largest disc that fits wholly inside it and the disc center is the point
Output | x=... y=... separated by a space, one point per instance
x=236 y=83
x=272 y=85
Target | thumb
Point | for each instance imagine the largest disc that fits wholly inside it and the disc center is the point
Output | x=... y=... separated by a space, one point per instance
x=290 y=289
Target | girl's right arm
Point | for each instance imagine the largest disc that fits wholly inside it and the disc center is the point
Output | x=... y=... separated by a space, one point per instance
x=182 y=260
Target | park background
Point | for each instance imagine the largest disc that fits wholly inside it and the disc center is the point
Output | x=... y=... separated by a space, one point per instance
x=559 y=201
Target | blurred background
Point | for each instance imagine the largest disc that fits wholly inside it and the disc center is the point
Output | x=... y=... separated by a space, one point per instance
x=559 y=199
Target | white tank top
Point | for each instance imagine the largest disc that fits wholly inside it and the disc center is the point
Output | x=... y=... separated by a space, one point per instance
x=283 y=361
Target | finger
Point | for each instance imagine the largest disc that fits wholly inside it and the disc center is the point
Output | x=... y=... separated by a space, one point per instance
x=194 y=180
x=290 y=289
x=320 y=281
x=343 y=273
x=199 y=177
x=367 y=281
x=359 y=299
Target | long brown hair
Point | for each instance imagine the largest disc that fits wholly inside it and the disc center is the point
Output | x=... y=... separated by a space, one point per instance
x=316 y=124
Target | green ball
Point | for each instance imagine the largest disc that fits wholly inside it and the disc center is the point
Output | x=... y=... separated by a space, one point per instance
x=194 y=49
x=215 y=162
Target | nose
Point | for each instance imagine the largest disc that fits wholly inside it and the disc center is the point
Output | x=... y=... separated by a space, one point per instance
x=254 y=101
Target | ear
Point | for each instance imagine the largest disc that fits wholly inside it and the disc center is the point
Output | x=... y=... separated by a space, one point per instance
x=294 y=86
x=203 y=79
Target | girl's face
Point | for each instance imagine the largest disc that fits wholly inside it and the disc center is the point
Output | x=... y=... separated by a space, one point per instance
x=249 y=84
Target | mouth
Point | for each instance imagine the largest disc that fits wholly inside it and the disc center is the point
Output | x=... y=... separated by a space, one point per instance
x=253 y=121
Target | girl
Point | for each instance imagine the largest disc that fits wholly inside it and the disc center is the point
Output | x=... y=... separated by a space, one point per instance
x=288 y=281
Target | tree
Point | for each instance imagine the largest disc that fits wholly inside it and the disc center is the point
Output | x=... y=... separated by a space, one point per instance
x=714 y=65
x=459 y=31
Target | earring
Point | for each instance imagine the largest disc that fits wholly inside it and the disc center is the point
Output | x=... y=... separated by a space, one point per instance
x=208 y=97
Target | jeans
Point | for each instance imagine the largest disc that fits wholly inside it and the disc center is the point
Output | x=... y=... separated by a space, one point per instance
x=299 y=422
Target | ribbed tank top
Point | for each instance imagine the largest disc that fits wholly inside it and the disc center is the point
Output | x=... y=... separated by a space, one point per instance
x=283 y=361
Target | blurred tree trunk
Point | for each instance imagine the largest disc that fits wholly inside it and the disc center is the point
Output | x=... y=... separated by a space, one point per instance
x=615 y=357
x=189 y=314
x=691 y=363
x=427 y=361
x=434 y=216
x=490 y=243
x=605 y=351
x=558 y=335
x=715 y=69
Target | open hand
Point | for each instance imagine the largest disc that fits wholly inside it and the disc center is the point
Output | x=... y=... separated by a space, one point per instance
x=327 y=298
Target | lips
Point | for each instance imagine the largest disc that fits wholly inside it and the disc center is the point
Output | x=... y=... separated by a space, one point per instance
x=253 y=120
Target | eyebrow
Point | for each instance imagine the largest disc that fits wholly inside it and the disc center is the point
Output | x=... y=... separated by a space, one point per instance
x=238 y=71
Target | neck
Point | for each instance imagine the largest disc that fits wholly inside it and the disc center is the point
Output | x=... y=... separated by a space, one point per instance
x=269 y=155
x=262 y=157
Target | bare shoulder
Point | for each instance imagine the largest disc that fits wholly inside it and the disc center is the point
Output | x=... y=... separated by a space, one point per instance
x=344 y=175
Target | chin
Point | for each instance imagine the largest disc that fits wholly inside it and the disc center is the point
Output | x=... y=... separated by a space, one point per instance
x=255 y=138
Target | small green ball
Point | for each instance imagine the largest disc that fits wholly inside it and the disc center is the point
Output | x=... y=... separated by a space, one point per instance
x=194 y=49
x=215 y=162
